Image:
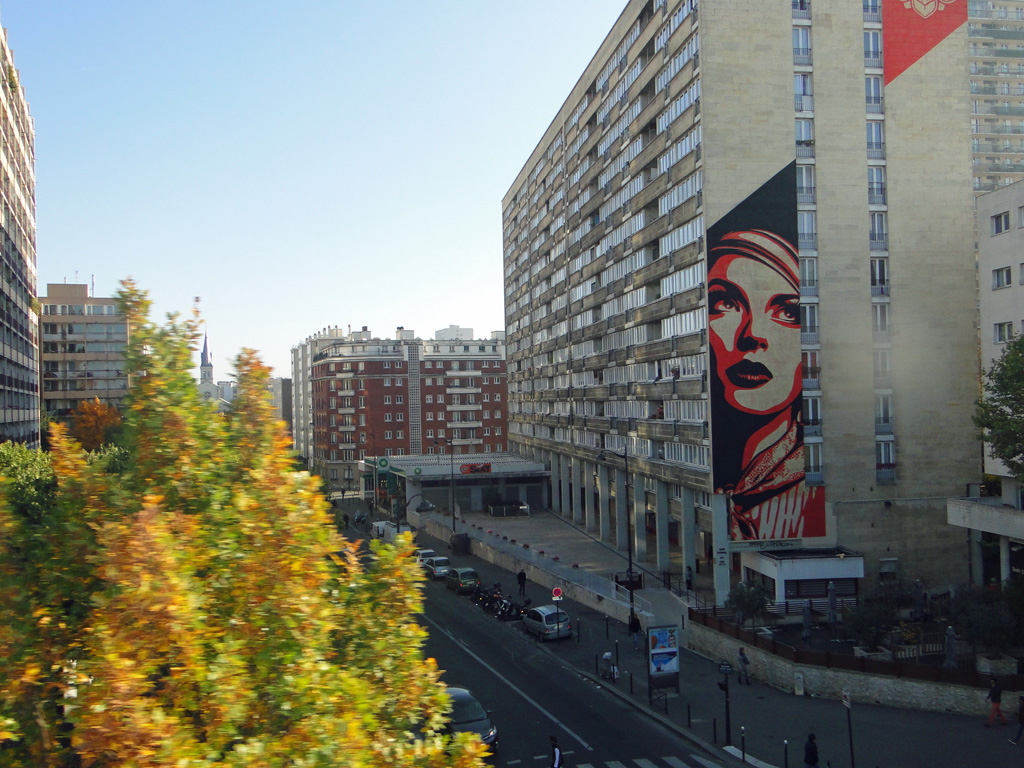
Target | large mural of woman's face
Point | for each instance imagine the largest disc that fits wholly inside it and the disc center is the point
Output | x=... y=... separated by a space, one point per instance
x=753 y=301
x=754 y=320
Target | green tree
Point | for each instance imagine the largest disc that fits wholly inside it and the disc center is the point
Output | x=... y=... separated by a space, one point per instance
x=217 y=632
x=983 y=617
x=999 y=415
x=750 y=601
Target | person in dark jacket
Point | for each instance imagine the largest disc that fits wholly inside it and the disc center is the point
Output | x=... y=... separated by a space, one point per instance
x=811 y=752
x=556 y=754
x=1020 y=719
x=634 y=630
x=521 y=578
x=995 y=695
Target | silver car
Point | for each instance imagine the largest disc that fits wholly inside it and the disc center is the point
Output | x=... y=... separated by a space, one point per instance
x=547 y=622
x=437 y=567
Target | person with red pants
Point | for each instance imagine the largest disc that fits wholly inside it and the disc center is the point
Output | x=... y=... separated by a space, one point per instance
x=995 y=695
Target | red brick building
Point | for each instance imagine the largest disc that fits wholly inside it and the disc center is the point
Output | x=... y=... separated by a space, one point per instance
x=405 y=396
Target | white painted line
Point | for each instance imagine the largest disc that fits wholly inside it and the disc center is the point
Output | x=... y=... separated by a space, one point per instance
x=644 y=763
x=704 y=762
x=615 y=764
x=751 y=760
x=507 y=682
x=675 y=762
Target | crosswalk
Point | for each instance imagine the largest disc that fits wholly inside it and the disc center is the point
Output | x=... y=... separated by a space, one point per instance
x=643 y=762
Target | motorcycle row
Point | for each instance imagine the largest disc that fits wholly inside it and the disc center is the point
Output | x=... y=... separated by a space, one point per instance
x=501 y=606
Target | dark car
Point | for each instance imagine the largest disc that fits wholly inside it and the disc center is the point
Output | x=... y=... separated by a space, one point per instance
x=469 y=716
x=462 y=580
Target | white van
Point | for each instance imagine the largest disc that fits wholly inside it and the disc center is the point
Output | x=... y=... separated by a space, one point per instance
x=388 y=531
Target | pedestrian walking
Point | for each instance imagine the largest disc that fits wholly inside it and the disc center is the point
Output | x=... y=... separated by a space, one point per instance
x=689 y=579
x=556 y=754
x=634 y=630
x=811 y=752
x=344 y=519
x=744 y=668
x=521 y=578
x=1020 y=719
x=995 y=695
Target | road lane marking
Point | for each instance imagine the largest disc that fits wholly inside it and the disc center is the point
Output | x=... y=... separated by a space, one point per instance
x=675 y=762
x=506 y=681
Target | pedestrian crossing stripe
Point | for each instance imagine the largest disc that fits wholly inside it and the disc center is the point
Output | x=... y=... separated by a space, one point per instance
x=640 y=762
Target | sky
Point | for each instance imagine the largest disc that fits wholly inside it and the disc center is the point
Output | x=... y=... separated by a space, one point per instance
x=293 y=165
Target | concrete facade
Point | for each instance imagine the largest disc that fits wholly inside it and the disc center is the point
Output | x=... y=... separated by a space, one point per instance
x=684 y=110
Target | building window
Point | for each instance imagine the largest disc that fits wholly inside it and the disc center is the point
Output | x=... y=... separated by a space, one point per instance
x=430 y=416
x=487 y=397
x=1001 y=277
x=387 y=399
x=428 y=398
x=387 y=382
x=1000 y=223
x=1003 y=332
x=399 y=399
x=387 y=435
x=440 y=398
x=400 y=417
x=387 y=417
x=440 y=433
x=387 y=363
x=400 y=434
x=430 y=433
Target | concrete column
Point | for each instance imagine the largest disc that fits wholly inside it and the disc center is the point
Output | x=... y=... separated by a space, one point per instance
x=663 y=556
x=639 y=520
x=588 y=496
x=604 y=503
x=1004 y=559
x=556 y=476
x=563 y=480
x=688 y=529
x=620 y=510
x=575 y=486
x=720 y=538
x=974 y=535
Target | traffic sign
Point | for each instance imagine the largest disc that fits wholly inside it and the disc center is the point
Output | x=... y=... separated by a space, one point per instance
x=556 y=593
x=725 y=668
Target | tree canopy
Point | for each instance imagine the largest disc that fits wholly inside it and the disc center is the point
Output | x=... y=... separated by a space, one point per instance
x=175 y=606
x=999 y=416
x=92 y=423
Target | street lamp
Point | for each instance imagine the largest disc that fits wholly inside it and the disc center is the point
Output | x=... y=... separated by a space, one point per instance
x=423 y=506
x=603 y=456
x=451 y=483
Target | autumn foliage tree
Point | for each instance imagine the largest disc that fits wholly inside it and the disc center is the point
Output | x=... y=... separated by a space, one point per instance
x=216 y=631
x=92 y=422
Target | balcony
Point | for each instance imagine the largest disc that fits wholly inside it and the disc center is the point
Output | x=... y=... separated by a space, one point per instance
x=462 y=390
x=810 y=336
x=879 y=289
x=804 y=102
x=872 y=12
x=876 y=150
x=873 y=59
x=809 y=288
x=878 y=241
x=876 y=194
x=812 y=428
x=883 y=426
x=805 y=194
x=987 y=514
x=812 y=378
x=881 y=337
x=807 y=241
x=805 y=147
x=801 y=9
x=802 y=56
x=814 y=477
x=885 y=474
x=874 y=105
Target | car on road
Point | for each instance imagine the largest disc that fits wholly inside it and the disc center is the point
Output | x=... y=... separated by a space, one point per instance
x=547 y=622
x=437 y=567
x=422 y=555
x=469 y=716
x=461 y=580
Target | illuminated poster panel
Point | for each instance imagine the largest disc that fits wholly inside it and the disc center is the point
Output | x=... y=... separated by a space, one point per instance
x=756 y=381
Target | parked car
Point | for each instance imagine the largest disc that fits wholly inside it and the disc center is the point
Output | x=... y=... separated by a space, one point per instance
x=469 y=716
x=547 y=622
x=437 y=567
x=422 y=555
x=462 y=580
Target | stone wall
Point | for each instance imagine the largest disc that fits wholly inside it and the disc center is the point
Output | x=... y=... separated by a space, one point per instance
x=830 y=683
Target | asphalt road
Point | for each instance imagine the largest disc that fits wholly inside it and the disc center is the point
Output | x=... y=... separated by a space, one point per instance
x=533 y=695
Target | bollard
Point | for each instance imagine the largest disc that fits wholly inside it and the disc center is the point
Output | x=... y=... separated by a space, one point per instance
x=743 y=742
x=606 y=635
x=785 y=753
x=714 y=730
x=616 y=653
x=689 y=719
x=597 y=666
x=579 y=635
x=630 y=683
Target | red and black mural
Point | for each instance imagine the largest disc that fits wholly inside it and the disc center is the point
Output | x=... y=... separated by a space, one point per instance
x=756 y=382
x=911 y=28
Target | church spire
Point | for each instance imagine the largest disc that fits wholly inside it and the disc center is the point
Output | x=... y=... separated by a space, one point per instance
x=206 y=364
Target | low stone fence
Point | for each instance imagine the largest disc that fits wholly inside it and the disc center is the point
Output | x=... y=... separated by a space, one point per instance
x=909 y=691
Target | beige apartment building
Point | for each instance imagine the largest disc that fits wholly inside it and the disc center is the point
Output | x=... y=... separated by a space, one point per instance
x=740 y=294
x=82 y=343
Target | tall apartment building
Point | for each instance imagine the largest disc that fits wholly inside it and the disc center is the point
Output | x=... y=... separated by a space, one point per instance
x=366 y=396
x=745 y=325
x=19 y=320
x=997 y=520
x=996 y=56
x=83 y=342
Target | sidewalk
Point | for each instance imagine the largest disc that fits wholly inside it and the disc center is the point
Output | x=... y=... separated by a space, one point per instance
x=762 y=717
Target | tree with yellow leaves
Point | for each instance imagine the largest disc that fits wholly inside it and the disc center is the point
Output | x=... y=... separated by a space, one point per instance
x=217 y=632
x=92 y=422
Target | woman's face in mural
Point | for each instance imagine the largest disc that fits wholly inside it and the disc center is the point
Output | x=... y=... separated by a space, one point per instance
x=754 y=318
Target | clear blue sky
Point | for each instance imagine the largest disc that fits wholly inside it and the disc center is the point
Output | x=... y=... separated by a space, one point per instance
x=295 y=165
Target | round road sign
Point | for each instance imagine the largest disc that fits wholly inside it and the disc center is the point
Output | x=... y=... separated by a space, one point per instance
x=556 y=593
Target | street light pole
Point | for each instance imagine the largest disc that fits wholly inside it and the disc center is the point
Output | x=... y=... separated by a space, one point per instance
x=451 y=482
x=629 y=537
